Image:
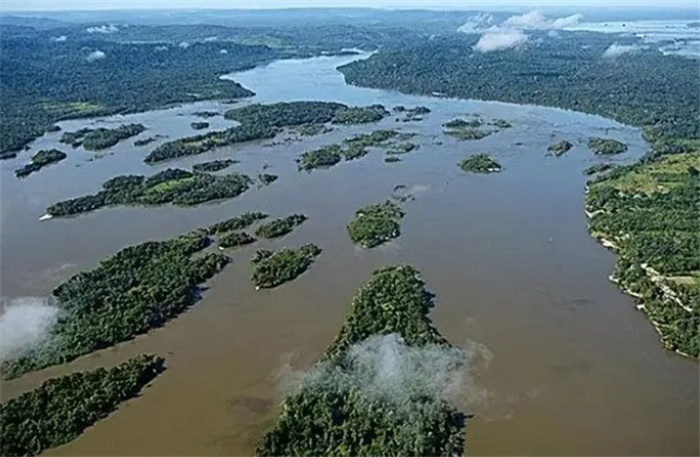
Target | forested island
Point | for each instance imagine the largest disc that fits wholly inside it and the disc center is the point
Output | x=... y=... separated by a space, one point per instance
x=235 y=240
x=60 y=409
x=466 y=129
x=375 y=224
x=241 y=222
x=560 y=147
x=101 y=138
x=199 y=125
x=212 y=166
x=480 y=163
x=173 y=185
x=335 y=412
x=272 y=268
x=412 y=114
x=606 y=146
x=280 y=227
x=351 y=149
x=40 y=160
x=145 y=141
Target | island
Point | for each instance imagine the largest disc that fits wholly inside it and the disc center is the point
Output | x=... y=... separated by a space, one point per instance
x=265 y=179
x=375 y=224
x=213 y=166
x=235 y=239
x=324 y=157
x=61 y=408
x=145 y=141
x=360 y=115
x=351 y=149
x=606 y=146
x=206 y=114
x=599 y=168
x=173 y=185
x=466 y=129
x=274 y=268
x=560 y=147
x=402 y=148
x=240 y=222
x=279 y=227
x=412 y=114
x=101 y=138
x=501 y=124
x=40 y=160
x=480 y=163
x=313 y=129
x=337 y=412
x=199 y=125
x=392 y=159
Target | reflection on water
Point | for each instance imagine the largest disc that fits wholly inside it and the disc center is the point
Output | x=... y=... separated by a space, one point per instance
x=572 y=367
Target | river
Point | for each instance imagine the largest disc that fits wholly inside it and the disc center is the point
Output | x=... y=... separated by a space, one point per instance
x=563 y=362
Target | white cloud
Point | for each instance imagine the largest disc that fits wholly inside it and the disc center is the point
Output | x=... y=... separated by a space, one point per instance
x=160 y=48
x=59 y=39
x=102 y=29
x=96 y=55
x=477 y=23
x=223 y=51
x=184 y=45
x=25 y=324
x=210 y=39
x=616 y=50
x=498 y=39
x=534 y=20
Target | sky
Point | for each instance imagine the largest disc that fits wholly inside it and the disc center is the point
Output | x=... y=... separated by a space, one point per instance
x=59 y=5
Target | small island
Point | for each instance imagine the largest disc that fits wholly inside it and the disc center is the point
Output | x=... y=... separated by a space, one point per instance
x=375 y=224
x=199 y=125
x=392 y=159
x=213 y=166
x=312 y=129
x=324 y=157
x=560 y=148
x=40 y=160
x=606 y=146
x=61 y=408
x=351 y=149
x=501 y=124
x=235 y=239
x=206 y=114
x=265 y=179
x=274 y=268
x=173 y=185
x=241 y=222
x=280 y=227
x=402 y=148
x=101 y=138
x=360 y=114
x=145 y=141
x=599 y=168
x=480 y=163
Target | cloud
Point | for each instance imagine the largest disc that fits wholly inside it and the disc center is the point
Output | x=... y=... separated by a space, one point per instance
x=103 y=29
x=160 y=48
x=497 y=39
x=477 y=23
x=210 y=39
x=184 y=45
x=616 y=50
x=96 y=55
x=534 y=20
x=223 y=51
x=58 y=39
x=24 y=324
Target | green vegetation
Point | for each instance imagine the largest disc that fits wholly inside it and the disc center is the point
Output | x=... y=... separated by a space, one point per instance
x=199 y=125
x=332 y=415
x=40 y=160
x=172 y=185
x=606 y=146
x=275 y=268
x=324 y=157
x=286 y=114
x=366 y=140
x=649 y=212
x=266 y=179
x=466 y=129
x=375 y=224
x=235 y=239
x=101 y=138
x=460 y=123
x=213 y=166
x=412 y=114
x=560 y=147
x=312 y=129
x=480 y=163
x=351 y=149
x=599 y=168
x=402 y=148
x=501 y=124
x=280 y=227
x=360 y=115
x=241 y=222
x=392 y=159
x=60 y=409
x=206 y=114
x=145 y=141
x=134 y=291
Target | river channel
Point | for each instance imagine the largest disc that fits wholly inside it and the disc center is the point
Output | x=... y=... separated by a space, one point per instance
x=563 y=363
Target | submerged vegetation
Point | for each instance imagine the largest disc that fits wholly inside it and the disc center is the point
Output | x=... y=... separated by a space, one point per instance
x=172 y=185
x=213 y=166
x=274 y=268
x=480 y=163
x=40 y=160
x=101 y=138
x=357 y=400
x=560 y=148
x=375 y=224
x=648 y=213
x=606 y=146
x=280 y=227
x=60 y=409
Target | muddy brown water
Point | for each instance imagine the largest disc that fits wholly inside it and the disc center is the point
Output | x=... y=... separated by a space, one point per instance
x=564 y=363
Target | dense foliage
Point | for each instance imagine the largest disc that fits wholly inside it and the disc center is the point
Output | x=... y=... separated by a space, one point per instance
x=280 y=227
x=60 y=409
x=375 y=224
x=265 y=179
x=145 y=141
x=199 y=125
x=360 y=115
x=324 y=157
x=366 y=140
x=468 y=133
x=241 y=222
x=352 y=148
x=286 y=114
x=214 y=165
x=598 y=168
x=649 y=210
x=480 y=163
x=606 y=146
x=274 y=268
x=333 y=419
x=402 y=148
x=101 y=138
x=392 y=159
x=138 y=289
x=40 y=160
x=235 y=239
x=560 y=147
x=634 y=89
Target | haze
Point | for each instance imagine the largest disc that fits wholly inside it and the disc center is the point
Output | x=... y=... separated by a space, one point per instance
x=52 y=5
